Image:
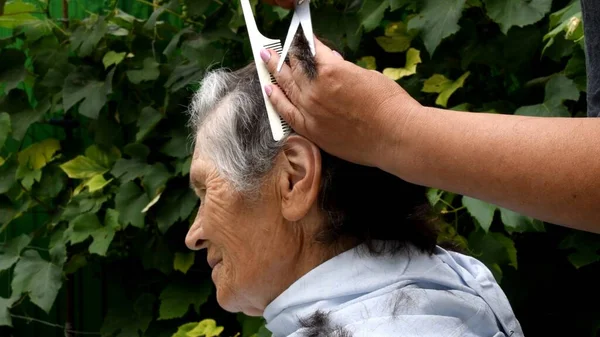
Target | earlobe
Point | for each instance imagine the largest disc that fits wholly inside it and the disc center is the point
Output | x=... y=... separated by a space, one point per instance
x=301 y=177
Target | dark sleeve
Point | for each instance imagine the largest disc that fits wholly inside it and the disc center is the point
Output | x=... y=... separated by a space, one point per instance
x=591 y=26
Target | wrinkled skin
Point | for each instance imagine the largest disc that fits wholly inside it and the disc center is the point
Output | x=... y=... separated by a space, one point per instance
x=259 y=247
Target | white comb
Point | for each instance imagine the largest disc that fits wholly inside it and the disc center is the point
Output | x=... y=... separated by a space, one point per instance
x=279 y=128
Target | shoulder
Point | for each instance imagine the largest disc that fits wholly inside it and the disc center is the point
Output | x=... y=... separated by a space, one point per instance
x=407 y=312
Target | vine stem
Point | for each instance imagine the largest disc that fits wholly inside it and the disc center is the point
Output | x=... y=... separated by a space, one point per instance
x=65 y=13
x=168 y=11
x=2 y=2
x=75 y=332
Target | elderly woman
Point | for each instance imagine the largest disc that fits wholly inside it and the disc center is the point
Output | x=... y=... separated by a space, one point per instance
x=319 y=246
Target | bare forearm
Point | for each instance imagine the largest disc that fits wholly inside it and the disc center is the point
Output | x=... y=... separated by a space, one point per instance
x=546 y=168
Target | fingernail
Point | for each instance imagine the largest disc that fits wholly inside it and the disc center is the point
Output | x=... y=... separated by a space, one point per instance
x=265 y=55
x=268 y=90
x=338 y=54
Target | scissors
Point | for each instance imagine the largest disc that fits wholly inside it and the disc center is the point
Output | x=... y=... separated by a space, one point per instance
x=301 y=17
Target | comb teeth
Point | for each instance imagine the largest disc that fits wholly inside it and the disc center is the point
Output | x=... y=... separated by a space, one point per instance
x=276 y=46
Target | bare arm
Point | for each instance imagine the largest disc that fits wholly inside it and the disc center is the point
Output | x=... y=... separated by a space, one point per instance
x=547 y=168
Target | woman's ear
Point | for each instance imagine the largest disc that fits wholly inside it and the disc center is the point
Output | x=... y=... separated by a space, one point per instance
x=300 y=178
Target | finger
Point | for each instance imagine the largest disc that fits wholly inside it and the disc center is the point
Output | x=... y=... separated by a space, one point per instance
x=284 y=77
x=285 y=108
x=324 y=54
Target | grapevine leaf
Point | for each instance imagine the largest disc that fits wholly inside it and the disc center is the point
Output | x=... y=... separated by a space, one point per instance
x=515 y=222
x=17 y=13
x=11 y=251
x=176 y=298
x=96 y=183
x=493 y=249
x=444 y=86
x=509 y=13
x=129 y=319
x=83 y=168
x=149 y=117
x=412 y=59
x=207 y=328
x=86 y=37
x=12 y=70
x=52 y=182
x=58 y=246
x=22 y=119
x=177 y=146
x=82 y=227
x=367 y=62
x=183 y=261
x=8 y=172
x=183 y=330
x=39 y=278
x=371 y=13
x=558 y=89
x=80 y=85
x=155 y=179
x=130 y=201
x=175 y=205
x=437 y=21
x=5 y=304
x=585 y=246
x=396 y=38
x=103 y=157
x=113 y=57
x=149 y=72
x=36 y=156
x=128 y=169
x=398 y=4
x=480 y=211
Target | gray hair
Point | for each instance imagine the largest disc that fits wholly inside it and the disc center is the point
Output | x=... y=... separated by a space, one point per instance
x=229 y=115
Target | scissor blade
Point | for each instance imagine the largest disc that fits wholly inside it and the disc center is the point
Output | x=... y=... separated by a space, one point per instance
x=288 y=40
x=303 y=12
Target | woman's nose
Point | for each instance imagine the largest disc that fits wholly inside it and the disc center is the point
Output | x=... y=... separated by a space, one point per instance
x=194 y=239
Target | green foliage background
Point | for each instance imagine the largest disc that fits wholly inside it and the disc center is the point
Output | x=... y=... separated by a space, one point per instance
x=94 y=150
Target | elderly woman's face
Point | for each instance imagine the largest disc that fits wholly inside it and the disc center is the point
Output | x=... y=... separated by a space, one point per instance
x=258 y=248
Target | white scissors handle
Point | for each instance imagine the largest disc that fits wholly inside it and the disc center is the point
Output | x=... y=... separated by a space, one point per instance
x=301 y=17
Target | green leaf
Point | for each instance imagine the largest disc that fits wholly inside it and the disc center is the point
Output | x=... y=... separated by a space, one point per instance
x=437 y=21
x=175 y=205
x=17 y=13
x=176 y=298
x=82 y=203
x=155 y=179
x=11 y=251
x=8 y=173
x=493 y=249
x=52 y=182
x=82 y=227
x=150 y=72
x=5 y=128
x=127 y=319
x=87 y=36
x=12 y=68
x=480 y=211
x=39 y=278
x=24 y=118
x=113 y=57
x=371 y=13
x=183 y=261
x=96 y=183
x=128 y=169
x=177 y=146
x=149 y=117
x=396 y=39
x=558 y=89
x=413 y=57
x=399 y=4
x=509 y=13
x=585 y=245
x=207 y=327
x=80 y=85
x=367 y=62
x=130 y=201
x=444 y=86
x=83 y=168
x=5 y=304
x=515 y=222
x=106 y=158
x=38 y=155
